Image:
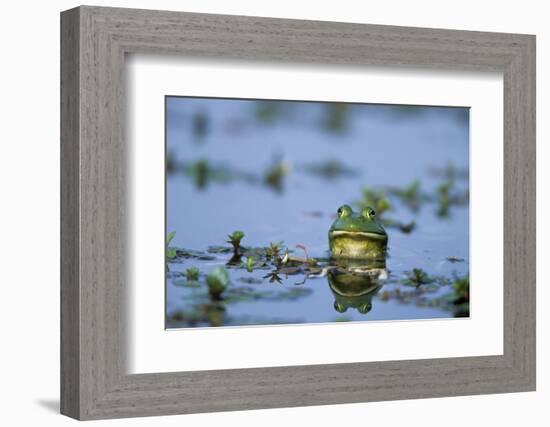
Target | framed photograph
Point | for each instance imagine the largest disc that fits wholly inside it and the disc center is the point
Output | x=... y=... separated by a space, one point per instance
x=261 y=213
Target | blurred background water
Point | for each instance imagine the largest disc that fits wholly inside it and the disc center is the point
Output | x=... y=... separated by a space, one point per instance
x=279 y=170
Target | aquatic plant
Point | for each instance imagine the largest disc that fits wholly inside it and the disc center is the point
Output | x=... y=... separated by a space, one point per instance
x=199 y=124
x=217 y=281
x=275 y=174
x=450 y=172
x=404 y=227
x=170 y=252
x=250 y=262
x=444 y=199
x=461 y=290
x=235 y=240
x=329 y=169
x=375 y=199
x=170 y=162
x=336 y=117
x=411 y=195
x=418 y=277
x=297 y=261
x=202 y=172
x=273 y=251
x=267 y=111
x=273 y=277
x=192 y=273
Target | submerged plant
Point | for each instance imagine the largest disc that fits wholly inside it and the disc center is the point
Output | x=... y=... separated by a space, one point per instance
x=170 y=252
x=217 y=281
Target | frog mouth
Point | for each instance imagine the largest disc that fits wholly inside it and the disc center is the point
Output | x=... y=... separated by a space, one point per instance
x=358 y=234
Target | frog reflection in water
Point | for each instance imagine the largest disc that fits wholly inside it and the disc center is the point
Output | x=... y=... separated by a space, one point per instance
x=357 y=235
x=354 y=283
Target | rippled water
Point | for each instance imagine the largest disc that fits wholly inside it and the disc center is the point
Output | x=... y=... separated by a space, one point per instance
x=278 y=172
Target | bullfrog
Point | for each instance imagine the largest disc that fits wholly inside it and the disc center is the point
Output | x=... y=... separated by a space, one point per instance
x=357 y=235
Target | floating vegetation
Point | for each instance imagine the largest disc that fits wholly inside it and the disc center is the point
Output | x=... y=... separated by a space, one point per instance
x=410 y=195
x=444 y=199
x=406 y=110
x=445 y=196
x=267 y=112
x=374 y=198
x=417 y=277
x=450 y=173
x=200 y=124
x=250 y=280
x=185 y=283
x=170 y=162
x=351 y=285
x=219 y=249
x=192 y=273
x=190 y=253
x=404 y=227
x=329 y=169
x=202 y=172
x=336 y=116
x=275 y=174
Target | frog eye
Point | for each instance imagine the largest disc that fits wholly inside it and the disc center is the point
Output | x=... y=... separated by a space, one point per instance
x=369 y=213
x=364 y=308
x=344 y=211
x=340 y=308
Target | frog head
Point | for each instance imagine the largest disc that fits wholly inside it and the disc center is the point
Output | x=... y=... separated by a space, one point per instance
x=357 y=235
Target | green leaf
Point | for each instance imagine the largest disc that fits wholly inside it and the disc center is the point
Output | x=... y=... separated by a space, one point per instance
x=170 y=237
x=170 y=253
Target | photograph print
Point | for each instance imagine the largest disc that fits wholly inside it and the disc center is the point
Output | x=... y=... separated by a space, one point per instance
x=283 y=212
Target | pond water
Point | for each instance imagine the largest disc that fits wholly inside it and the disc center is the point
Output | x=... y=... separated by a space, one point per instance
x=278 y=171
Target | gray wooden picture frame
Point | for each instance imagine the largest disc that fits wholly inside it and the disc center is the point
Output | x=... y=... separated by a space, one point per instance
x=94 y=41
